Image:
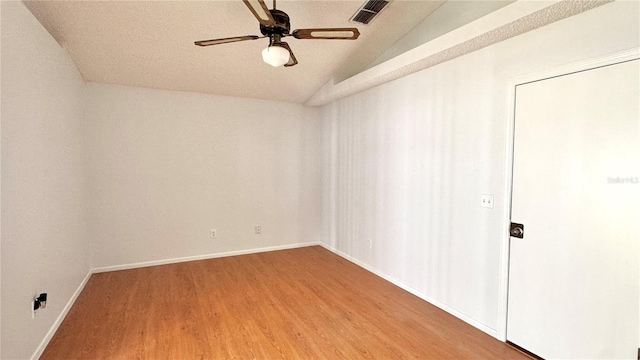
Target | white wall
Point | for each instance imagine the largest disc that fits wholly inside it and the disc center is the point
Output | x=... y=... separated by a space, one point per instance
x=166 y=167
x=406 y=162
x=45 y=238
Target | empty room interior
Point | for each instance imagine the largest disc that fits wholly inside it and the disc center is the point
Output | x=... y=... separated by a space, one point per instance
x=428 y=179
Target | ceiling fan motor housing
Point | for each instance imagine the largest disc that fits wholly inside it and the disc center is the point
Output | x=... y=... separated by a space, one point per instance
x=282 y=26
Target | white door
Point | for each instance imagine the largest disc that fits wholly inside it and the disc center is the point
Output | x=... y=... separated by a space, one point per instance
x=574 y=276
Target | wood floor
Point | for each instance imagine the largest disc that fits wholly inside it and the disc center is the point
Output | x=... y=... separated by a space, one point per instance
x=305 y=303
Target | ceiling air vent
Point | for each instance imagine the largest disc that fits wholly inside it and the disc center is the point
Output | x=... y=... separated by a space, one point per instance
x=369 y=11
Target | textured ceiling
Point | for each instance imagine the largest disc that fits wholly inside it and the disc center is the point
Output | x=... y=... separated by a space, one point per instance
x=150 y=43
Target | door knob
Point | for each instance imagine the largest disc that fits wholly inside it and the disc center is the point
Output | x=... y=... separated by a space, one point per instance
x=517 y=230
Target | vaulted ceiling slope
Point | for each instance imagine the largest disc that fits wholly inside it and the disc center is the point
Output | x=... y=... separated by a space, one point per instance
x=150 y=43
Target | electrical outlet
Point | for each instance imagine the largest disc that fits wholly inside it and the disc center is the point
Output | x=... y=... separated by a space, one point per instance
x=370 y=242
x=258 y=229
x=486 y=200
x=39 y=302
x=213 y=233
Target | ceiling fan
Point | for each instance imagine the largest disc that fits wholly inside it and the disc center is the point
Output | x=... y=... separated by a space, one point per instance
x=275 y=25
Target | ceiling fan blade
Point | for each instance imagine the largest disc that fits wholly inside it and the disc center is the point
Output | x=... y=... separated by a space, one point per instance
x=260 y=10
x=292 y=58
x=225 y=40
x=329 y=34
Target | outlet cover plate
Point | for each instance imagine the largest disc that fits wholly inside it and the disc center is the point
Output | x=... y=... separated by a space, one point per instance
x=486 y=201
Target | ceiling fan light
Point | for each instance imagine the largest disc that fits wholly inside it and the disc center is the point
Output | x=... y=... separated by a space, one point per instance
x=275 y=56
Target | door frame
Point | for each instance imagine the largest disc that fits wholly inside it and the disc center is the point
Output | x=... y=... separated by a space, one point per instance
x=503 y=291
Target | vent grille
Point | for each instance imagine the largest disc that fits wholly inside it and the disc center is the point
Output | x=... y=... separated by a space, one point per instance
x=369 y=11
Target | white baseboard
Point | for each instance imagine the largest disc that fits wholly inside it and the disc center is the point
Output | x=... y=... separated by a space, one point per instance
x=63 y=314
x=200 y=257
x=424 y=297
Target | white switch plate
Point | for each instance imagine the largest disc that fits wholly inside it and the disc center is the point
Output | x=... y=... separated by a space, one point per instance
x=486 y=200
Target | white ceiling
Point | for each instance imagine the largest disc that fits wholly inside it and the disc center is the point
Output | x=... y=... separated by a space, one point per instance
x=150 y=43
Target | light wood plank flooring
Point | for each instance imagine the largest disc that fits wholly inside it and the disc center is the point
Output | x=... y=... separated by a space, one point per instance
x=305 y=303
